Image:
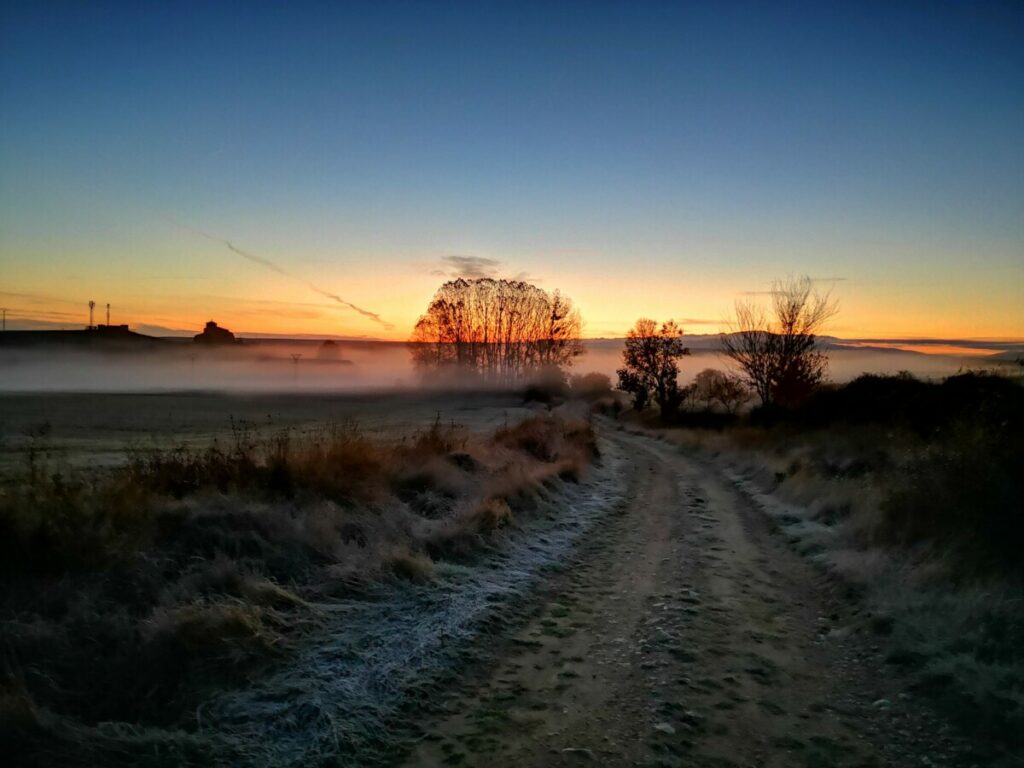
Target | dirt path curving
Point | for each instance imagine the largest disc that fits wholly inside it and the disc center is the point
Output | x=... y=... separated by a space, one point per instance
x=684 y=632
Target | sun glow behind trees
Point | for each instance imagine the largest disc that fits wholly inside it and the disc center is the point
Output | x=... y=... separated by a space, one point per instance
x=500 y=330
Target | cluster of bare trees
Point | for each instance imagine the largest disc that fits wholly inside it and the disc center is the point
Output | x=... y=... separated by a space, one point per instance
x=507 y=330
x=502 y=330
x=776 y=350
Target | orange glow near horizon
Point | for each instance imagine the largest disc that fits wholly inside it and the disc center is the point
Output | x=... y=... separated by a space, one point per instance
x=935 y=349
x=292 y=311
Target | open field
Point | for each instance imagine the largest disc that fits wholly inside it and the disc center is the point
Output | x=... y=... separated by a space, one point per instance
x=100 y=429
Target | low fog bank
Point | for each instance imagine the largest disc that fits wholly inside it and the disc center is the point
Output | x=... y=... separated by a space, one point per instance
x=250 y=367
x=605 y=356
x=297 y=366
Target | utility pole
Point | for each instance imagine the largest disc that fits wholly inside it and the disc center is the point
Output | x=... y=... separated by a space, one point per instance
x=108 y=314
x=4 y=311
x=92 y=305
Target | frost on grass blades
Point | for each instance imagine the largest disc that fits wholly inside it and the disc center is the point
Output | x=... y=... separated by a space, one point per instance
x=343 y=695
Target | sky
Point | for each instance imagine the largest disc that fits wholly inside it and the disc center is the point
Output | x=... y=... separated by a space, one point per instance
x=320 y=168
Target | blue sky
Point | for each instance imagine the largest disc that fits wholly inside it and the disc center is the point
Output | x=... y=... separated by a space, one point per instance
x=657 y=158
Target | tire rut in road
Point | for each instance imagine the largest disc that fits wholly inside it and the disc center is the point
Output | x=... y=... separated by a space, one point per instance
x=681 y=633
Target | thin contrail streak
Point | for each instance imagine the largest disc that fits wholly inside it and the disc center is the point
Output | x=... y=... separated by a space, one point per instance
x=281 y=271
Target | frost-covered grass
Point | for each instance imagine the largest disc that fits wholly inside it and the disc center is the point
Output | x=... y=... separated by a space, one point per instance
x=925 y=525
x=138 y=594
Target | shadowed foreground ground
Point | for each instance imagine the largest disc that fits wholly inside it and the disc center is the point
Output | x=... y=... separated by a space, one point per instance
x=641 y=611
x=684 y=632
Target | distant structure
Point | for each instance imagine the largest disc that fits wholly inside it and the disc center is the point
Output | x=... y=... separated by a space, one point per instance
x=214 y=334
x=329 y=350
x=105 y=330
x=108 y=328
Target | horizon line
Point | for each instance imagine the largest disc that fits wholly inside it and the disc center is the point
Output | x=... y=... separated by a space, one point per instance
x=270 y=335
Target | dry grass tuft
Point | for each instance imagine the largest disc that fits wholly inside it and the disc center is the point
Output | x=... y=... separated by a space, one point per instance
x=408 y=565
x=230 y=632
x=491 y=514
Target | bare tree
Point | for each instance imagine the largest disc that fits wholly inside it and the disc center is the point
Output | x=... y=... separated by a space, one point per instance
x=502 y=330
x=650 y=369
x=777 y=351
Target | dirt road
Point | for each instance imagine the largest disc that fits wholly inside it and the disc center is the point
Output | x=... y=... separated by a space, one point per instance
x=684 y=632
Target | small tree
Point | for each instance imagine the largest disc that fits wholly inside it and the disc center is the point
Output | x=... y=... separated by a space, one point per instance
x=712 y=386
x=731 y=393
x=650 y=369
x=777 y=352
x=705 y=386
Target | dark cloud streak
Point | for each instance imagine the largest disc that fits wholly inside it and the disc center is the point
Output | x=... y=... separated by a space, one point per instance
x=471 y=267
x=268 y=264
x=474 y=268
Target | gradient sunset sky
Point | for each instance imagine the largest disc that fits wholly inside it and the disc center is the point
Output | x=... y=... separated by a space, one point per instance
x=658 y=159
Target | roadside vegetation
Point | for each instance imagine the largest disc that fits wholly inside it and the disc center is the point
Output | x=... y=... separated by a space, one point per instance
x=130 y=595
x=908 y=492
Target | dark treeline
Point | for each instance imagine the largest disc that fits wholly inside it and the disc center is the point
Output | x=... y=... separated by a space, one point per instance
x=501 y=330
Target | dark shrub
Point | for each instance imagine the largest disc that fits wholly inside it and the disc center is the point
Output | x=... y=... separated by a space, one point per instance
x=547 y=386
x=923 y=407
x=591 y=386
x=964 y=492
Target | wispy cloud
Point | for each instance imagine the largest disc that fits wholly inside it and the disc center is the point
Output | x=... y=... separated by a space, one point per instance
x=697 y=321
x=312 y=286
x=268 y=264
x=473 y=268
x=470 y=267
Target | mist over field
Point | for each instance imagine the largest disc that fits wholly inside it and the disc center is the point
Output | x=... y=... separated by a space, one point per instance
x=364 y=366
